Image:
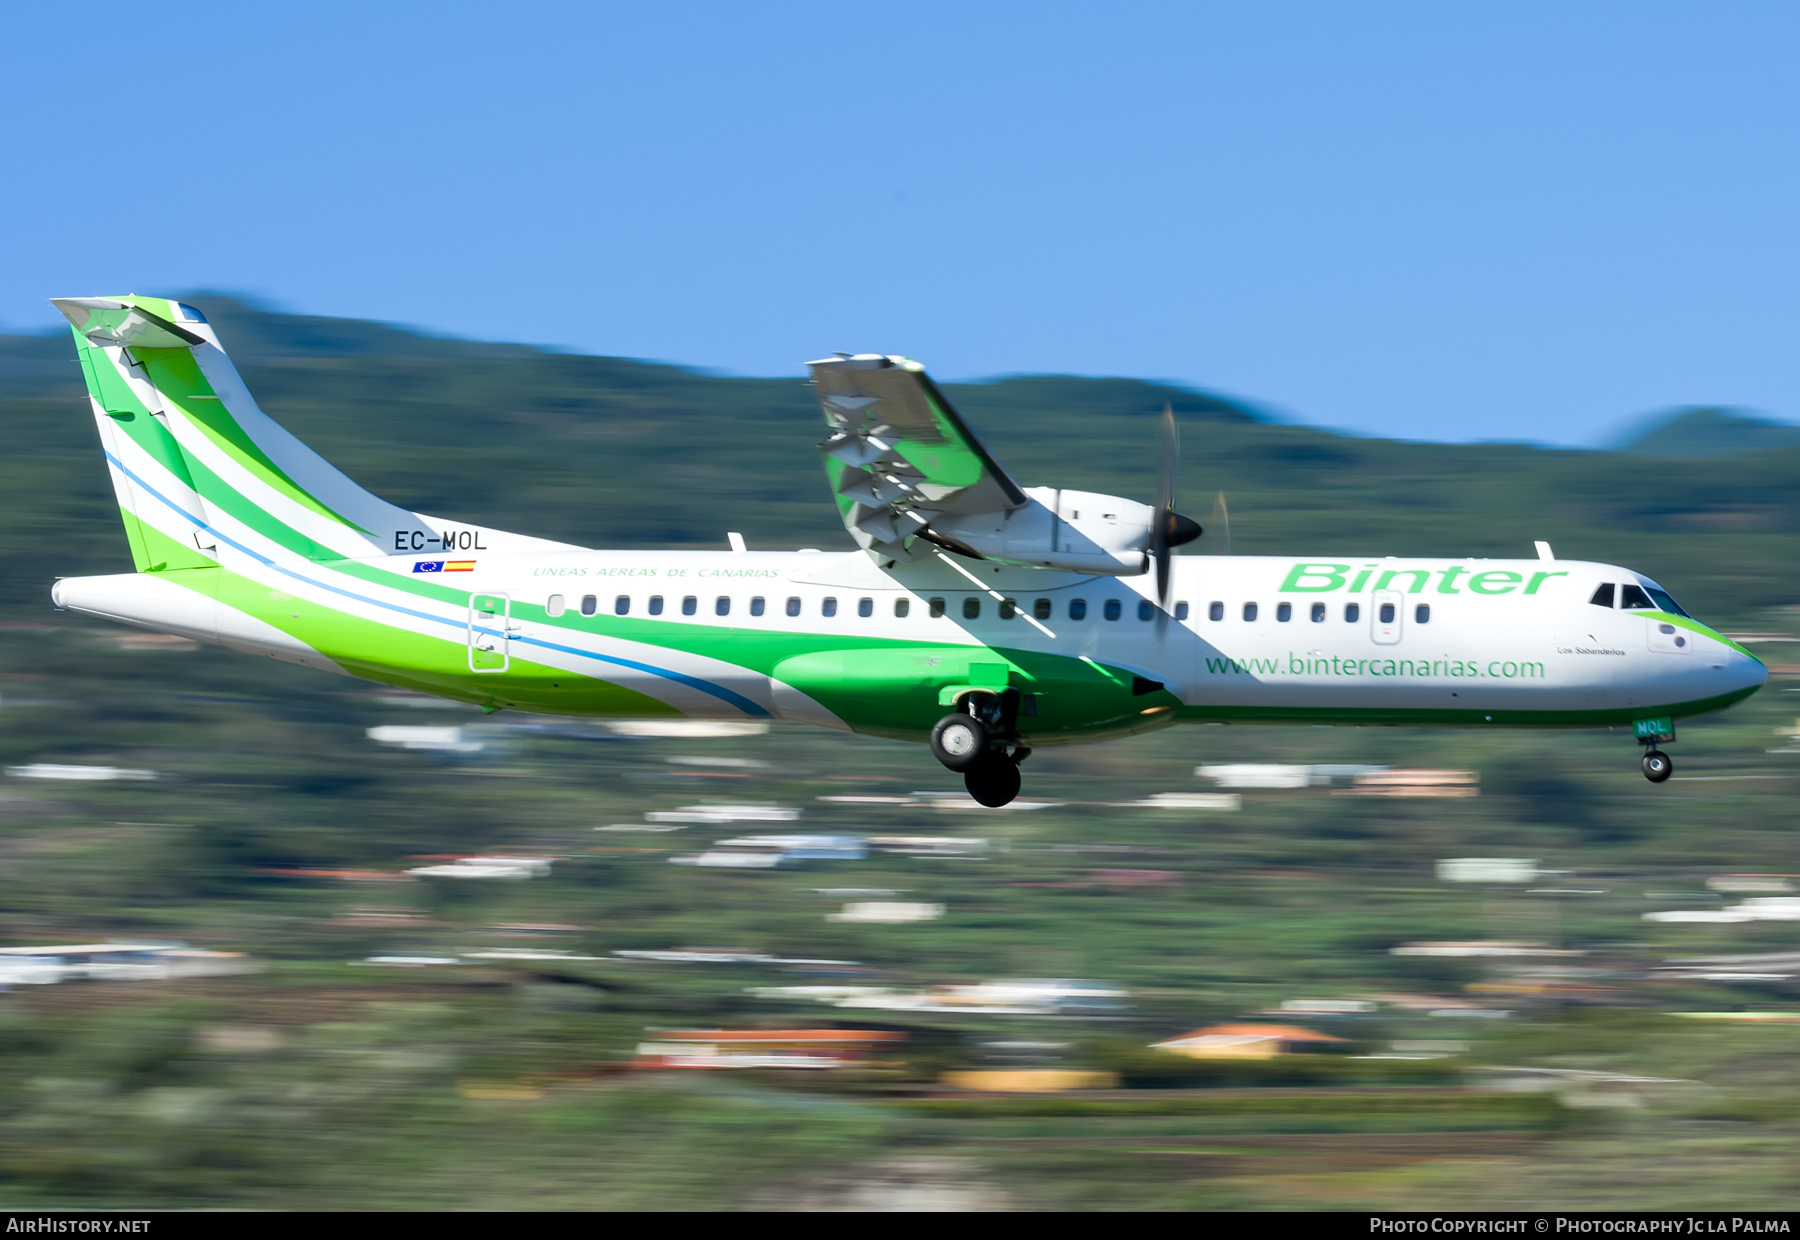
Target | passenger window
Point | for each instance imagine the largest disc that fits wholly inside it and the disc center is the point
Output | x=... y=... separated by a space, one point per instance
x=722 y=606
x=1146 y=609
x=1112 y=609
x=1318 y=613
x=1181 y=611
x=971 y=609
x=1422 y=614
x=1633 y=597
x=554 y=605
x=1250 y=611
x=656 y=604
x=901 y=607
x=756 y=605
x=828 y=607
x=1041 y=609
x=1603 y=595
x=1284 y=612
x=1352 y=612
x=865 y=607
x=934 y=608
x=1078 y=609
x=689 y=605
x=622 y=605
x=1215 y=611
x=1008 y=608
x=1387 y=613
x=589 y=604
x=793 y=606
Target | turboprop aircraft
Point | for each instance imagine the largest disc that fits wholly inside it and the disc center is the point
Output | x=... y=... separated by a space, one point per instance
x=982 y=617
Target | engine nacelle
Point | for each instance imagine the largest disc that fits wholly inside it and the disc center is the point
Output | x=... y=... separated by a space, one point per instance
x=1078 y=531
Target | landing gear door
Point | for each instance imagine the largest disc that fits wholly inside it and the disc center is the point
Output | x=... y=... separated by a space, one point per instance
x=490 y=632
x=1386 y=616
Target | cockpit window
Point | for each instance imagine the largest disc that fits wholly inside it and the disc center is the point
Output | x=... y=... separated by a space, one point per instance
x=1633 y=597
x=1603 y=596
x=1664 y=602
x=188 y=312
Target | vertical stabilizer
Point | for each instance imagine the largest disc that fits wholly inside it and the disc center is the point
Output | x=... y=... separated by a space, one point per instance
x=202 y=473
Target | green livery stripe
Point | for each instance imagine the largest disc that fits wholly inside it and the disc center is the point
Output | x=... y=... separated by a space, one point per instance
x=164 y=554
x=176 y=375
x=220 y=496
x=390 y=654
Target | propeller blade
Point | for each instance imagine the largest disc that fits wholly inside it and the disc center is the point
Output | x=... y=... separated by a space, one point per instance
x=1169 y=452
x=1220 y=524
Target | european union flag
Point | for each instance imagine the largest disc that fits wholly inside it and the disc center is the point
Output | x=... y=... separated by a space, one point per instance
x=428 y=566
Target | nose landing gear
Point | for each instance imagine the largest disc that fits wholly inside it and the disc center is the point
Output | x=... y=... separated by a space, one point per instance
x=1658 y=766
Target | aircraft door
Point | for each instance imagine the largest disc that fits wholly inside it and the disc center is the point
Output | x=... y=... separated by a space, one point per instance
x=1387 y=614
x=490 y=632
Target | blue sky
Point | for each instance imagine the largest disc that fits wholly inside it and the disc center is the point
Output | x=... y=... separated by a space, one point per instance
x=1456 y=222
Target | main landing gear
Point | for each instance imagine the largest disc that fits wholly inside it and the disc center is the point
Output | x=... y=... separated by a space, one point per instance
x=980 y=742
x=1657 y=766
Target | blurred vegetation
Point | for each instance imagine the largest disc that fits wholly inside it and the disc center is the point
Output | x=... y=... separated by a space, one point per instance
x=326 y=1080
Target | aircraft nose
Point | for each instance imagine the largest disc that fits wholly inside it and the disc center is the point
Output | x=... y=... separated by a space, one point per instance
x=1746 y=672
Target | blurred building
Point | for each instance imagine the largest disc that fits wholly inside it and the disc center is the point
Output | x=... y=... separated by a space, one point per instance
x=708 y=815
x=888 y=912
x=1282 y=774
x=929 y=845
x=1414 y=783
x=80 y=774
x=1029 y=1080
x=1249 y=1042
x=766 y=1048
x=436 y=739
x=487 y=867
x=113 y=962
x=1486 y=870
x=804 y=847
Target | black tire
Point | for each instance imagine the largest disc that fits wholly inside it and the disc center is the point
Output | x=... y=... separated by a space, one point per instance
x=959 y=742
x=993 y=783
x=1657 y=766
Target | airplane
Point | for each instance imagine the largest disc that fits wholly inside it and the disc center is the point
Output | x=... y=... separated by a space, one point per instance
x=976 y=615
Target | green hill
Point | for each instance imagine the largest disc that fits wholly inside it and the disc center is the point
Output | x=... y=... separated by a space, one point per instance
x=610 y=452
x=1701 y=434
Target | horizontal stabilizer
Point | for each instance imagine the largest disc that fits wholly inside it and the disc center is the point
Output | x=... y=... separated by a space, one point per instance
x=105 y=321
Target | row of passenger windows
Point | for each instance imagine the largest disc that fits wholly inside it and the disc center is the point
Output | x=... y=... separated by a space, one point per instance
x=1041 y=609
x=1284 y=612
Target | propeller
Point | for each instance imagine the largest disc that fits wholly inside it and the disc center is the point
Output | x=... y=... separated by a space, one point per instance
x=1168 y=528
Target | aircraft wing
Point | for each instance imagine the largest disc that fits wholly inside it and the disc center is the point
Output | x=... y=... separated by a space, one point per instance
x=899 y=457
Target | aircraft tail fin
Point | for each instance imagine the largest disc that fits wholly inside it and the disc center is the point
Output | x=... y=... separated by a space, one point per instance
x=202 y=473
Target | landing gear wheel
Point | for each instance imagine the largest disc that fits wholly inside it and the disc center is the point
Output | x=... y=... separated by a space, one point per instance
x=993 y=783
x=1657 y=766
x=959 y=742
